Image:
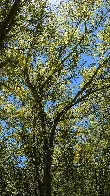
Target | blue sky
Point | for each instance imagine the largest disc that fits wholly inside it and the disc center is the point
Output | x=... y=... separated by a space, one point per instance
x=55 y=1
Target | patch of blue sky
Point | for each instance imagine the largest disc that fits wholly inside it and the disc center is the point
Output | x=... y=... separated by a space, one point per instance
x=88 y=60
x=19 y=161
x=48 y=104
x=6 y=130
x=85 y=62
x=54 y=2
x=4 y=124
x=38 y=60
x=10 y=98
x=22 y=161
x=16 y=102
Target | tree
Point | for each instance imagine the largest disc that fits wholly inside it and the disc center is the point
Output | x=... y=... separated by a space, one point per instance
x=39 y=96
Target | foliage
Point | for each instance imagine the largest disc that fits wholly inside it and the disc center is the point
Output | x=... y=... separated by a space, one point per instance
x=54 y=102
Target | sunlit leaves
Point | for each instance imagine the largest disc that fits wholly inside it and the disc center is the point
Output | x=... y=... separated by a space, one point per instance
x=54 y=103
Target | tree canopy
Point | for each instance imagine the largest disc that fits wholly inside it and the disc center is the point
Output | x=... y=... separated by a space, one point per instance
x=55 y=88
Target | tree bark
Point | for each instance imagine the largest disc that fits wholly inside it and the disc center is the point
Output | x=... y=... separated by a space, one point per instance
x=47 y=167
x=47 y=174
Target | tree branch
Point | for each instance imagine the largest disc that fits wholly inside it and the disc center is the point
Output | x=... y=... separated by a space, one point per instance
x=37 y=98
x=8 y=21
x=75 y=101
x=61 y=63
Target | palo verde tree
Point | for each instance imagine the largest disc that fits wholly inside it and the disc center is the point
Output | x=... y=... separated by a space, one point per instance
x=46 y=82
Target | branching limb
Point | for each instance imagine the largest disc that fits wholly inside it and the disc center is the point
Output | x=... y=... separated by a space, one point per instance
x=78 y=98
x=61 y=64
x=37 y=98
x=8 y=21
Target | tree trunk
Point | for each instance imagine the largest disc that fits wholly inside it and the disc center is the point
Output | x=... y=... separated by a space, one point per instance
x=48 y=149
x=47 y=173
